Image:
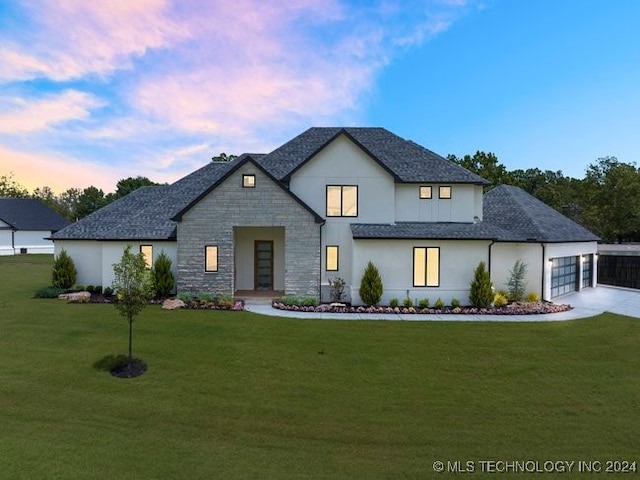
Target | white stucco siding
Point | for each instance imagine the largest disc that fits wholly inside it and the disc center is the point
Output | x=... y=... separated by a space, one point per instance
x=34 y=241
x=394 y=260
x=94 y=259
x=112 y=253
x=465 y=203
x=575 y=249
x=87 y=258
x=505 y=255
x=343 y=163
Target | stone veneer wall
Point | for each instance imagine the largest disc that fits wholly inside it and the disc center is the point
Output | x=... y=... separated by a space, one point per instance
x=212 y=222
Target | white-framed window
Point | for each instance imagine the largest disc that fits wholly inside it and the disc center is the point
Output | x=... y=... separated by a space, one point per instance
x=444 y=192
x=426 y=191
x=248 y=181
x=332 y=258
x=211 y=258
x=426 y=266
x=147 y=253
x=342 y=200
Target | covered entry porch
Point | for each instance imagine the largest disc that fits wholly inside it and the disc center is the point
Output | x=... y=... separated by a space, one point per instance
x=259 y=260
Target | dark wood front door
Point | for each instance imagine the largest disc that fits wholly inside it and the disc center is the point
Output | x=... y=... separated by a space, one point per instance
x=263 y=265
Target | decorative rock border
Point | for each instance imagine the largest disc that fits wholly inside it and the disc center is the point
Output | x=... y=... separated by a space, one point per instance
x=533 y=308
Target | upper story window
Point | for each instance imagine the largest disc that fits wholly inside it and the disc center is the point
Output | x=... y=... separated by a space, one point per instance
x=248 y=181
x=342 y=200
x=425 y=191
x=147 y=253
x=445 y=192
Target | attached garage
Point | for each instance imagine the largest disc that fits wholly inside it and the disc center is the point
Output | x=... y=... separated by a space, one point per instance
x=564 y=275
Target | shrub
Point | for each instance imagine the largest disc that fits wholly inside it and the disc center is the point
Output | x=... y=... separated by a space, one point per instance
x=407 y=302
x=394 y=302
x=423 y=303
x=64 y=271
x=80 y=288
x=97 y=289
x=532 y=297
x=48 y=292
x=163 y=279
x=481 y=293
x=309 y=302
x=89 y=288
x=371 y=285
x=108 y=292
x=500 y=300
x=205 y=297
x=439 y=304
x=337 y=289
x=455 y=303
x=516 y=281
x=291 y=301
x=185 y=297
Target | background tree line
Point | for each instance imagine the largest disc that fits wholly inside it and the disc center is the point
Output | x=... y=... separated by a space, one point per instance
x=606 y=200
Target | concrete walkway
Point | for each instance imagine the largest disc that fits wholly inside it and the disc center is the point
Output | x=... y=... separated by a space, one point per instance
x=587 y=303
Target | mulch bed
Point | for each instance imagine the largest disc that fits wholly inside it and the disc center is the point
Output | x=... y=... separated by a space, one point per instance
x=523 y=308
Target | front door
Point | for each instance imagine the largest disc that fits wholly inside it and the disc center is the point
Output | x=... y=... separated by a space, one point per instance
x=263 y=265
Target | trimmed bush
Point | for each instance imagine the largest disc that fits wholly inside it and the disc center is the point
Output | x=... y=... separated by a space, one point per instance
x=423 y=303
x=516 y=283
x=439 y=304
x=163 y=279
x=481 y=294
x=500 y=300
x=407 y=302
x=64 y=271
x=371 y=285
x=108 y=292
x=394 y=302
x=532 y=297
x=48 y=292
x=455 y=303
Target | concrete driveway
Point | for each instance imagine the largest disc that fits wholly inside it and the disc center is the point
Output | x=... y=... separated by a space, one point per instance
x=593 y=301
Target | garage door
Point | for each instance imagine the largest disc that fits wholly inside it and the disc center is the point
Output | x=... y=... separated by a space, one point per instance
x=564 y=275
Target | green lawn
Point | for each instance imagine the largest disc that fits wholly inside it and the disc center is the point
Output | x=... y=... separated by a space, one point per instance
x=238 y=395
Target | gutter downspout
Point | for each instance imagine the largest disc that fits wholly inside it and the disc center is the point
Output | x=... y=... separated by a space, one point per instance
x=13 y=240
x=544 y=264
x=489 y=258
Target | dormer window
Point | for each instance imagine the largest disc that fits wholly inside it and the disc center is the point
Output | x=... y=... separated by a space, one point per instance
x=445 y=192
x=425 y=191
x=248 y=181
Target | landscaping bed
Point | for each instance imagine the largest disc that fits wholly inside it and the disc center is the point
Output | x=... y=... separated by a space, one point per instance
x=516 y=308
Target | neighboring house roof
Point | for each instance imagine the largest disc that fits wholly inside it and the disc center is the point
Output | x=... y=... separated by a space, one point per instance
x=30 y=214
x=525 y=218
x=405 y=160
x=509 y=215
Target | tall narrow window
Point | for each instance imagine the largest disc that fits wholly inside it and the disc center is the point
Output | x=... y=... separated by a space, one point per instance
x=426 y=266
x=445 y=192
x=332 y=258
x=211 y=258
x=425 y=191
x=248 y=181
x=147 y=253
x=342 y=200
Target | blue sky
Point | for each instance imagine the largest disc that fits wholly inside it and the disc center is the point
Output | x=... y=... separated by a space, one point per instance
x=92 y=92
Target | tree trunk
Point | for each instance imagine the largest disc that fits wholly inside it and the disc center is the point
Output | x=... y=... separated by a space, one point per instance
x=130 y=341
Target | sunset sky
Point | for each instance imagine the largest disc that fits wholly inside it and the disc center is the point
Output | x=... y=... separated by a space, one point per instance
x=95 y=91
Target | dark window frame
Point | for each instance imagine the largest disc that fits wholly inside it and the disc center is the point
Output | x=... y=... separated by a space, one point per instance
x=342 y=187
x=426 y=267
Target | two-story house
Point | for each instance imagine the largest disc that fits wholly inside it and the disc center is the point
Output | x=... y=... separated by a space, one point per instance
x=321 y=207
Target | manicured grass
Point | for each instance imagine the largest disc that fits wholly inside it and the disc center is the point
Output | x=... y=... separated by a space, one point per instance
x=237 y=395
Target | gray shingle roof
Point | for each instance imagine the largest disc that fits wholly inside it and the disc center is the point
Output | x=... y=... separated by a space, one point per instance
x=30 y=214
x=525 y=218
x=509 y=215
x=145 y=214
x=405 y=160
x=431 y=230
